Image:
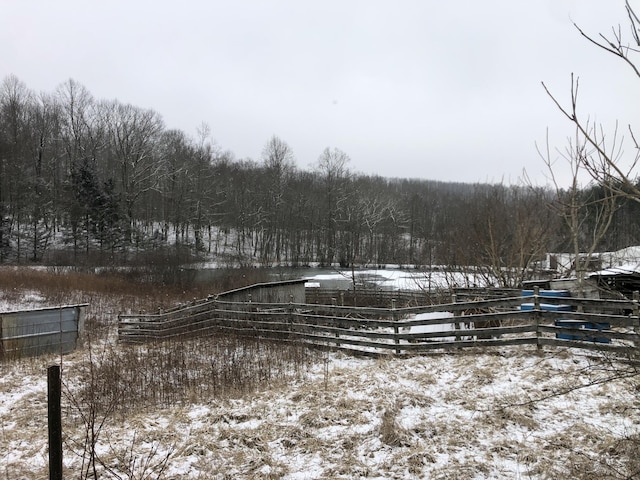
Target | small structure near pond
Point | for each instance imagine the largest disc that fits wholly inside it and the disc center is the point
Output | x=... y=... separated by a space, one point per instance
x=271 y=292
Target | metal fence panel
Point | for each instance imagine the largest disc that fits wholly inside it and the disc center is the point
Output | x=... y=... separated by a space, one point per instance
x=34 y=332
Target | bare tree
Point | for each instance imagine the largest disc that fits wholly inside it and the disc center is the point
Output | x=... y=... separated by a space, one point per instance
x=602 y=156
x=278 y=161
x=579 y=207
x=80 y=123
x=45 y=176
x=603 y=160
x=133 y=136
x=510 y=233
x=334 y=172
x=15 y=105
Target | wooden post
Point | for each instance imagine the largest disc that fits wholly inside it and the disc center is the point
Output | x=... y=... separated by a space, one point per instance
x=396 y=330
x=537 y=314
x=636 y=313
x=54 y=390
x=290 y=313
x=456 y=323
x=247 y=311
x=334 y=303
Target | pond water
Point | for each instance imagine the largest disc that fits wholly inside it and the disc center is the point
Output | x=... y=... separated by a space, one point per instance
x=342 y=279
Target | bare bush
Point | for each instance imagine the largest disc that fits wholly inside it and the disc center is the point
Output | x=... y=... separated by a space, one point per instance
x=166 y=373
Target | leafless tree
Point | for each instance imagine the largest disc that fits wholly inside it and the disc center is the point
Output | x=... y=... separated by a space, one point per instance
x=575 y=206
x=133 y=136
x=278 y=161
x=602 y=155
x=16 y=101
x=510 y=233
x=81 y=123
x=332 y=166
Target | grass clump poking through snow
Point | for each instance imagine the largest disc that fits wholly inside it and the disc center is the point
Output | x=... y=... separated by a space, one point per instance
x=391 y=432
x=432 y=416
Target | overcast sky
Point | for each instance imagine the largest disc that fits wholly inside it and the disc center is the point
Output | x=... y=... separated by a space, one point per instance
x=412 y=88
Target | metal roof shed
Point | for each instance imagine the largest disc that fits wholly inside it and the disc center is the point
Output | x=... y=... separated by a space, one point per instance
x=271 y=292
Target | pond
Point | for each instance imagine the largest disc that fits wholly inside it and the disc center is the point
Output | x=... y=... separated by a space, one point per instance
x=389 y=279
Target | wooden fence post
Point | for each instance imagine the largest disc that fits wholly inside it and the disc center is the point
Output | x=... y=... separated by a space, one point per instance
x=290 y=314
x=396 y=330
x=334 y=303
x=636 y=313
x=456 y=323
x=537 y=314
x=248 y=316
x=54 y=390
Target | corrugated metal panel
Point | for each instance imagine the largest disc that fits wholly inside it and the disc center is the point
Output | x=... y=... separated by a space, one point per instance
x=28 y=333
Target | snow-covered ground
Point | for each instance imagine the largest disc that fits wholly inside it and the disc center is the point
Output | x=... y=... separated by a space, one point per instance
x=506 y=413
x=464 y=415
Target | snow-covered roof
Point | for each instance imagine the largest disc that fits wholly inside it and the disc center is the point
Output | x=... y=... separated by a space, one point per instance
x=627 y=269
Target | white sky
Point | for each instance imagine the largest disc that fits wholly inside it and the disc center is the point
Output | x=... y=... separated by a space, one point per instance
x=412 y=88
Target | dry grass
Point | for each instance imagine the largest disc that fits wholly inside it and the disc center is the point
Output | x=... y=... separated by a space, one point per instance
x=356 y=424
x=126 y=378
x=58 y=285
x=391 y=433
x=232 y=408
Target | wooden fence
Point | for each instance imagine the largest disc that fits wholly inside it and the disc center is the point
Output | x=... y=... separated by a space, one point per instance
x=535 y=320
x=404 y=298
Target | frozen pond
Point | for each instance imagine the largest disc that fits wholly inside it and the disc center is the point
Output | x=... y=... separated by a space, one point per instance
x=389 y=279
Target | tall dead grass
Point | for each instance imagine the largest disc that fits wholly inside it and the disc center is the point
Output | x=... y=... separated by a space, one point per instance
x=110 y=383
x=105 y=382
x=64 y=285
x=166 y=373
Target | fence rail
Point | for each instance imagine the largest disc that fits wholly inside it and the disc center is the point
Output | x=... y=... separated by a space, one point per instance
x=495 y=322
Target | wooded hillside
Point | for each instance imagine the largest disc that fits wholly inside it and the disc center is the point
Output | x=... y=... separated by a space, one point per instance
x=98 y=181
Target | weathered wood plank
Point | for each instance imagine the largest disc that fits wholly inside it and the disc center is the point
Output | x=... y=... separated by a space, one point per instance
x=614 y=320
x=591 y=333
x=557 y=342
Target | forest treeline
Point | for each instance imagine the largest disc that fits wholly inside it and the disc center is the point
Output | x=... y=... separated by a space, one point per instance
x=87 y=180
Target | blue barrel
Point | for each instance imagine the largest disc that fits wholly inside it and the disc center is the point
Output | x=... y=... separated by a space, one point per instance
x=581 y=325
x=548 y=307
x=548 y=293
